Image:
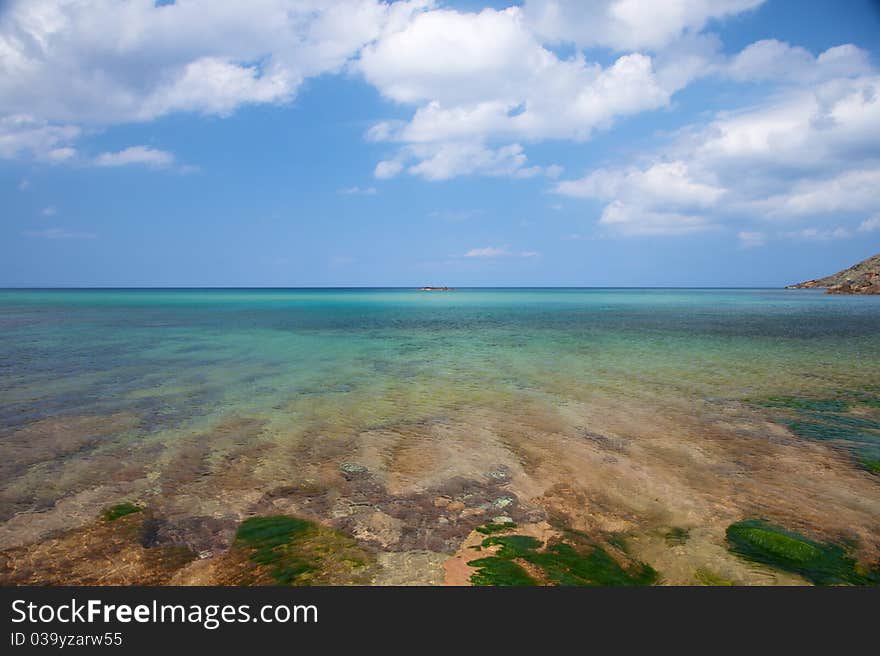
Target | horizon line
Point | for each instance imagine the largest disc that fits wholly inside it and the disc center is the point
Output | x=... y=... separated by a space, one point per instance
x=353 y=287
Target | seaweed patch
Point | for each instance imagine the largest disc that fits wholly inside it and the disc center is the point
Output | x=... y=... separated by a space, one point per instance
x=821 y=563
x=573 y=561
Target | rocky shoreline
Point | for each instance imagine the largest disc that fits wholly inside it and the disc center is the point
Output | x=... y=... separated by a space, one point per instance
x=601 y=498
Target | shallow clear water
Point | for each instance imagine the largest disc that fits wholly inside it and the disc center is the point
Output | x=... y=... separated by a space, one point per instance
x=324 y=362
x=176 y=356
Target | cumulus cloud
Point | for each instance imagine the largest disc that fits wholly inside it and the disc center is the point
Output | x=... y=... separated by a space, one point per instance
x=49 y=210
x=143 y=155
x=626 y=24
x=66 y=64
x=448 y=160
x=482 y=83
x=770 y=59
x=663 y=198
x=853 y=190
x=487 y=81
x=810 y=149
x=669 y=183
x=474 y=90
x=631 y=219
x=105 y=61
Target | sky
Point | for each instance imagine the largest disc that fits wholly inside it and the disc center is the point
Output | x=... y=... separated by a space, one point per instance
x=364 y=143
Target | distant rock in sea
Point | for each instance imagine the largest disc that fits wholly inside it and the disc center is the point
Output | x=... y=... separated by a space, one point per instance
x=861 y=278
x=436 y=289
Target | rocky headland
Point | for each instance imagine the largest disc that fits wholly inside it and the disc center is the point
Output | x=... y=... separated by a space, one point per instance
x=861 y=278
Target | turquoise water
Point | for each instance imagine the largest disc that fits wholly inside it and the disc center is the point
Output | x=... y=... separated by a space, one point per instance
x=81 y=351
x=322 y=363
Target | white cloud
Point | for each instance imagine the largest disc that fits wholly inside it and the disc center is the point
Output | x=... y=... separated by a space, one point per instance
x=770 y=59
x=24 y=184
x=443 y=161
x=136 y=155
x=495 y=252
x=819 y=234
x=478 y=87
x=661 y=199
x=481 y=83
x=50 y=210
x=387 y=169
x=358 y=191
x=811 y=128
x=24 y=135
x=634 y=220
x=59 y=233
x=486 y=81
x=448 y=160
x=61 y=154
x=666 y=183
x=66 y=64
x=854 y=190
x=548 y=99
x=106 y=62
x=450 y=55
x=870 y=225
x=626 y=24
x=812 y=150
x=751 y=239
x=488 y=252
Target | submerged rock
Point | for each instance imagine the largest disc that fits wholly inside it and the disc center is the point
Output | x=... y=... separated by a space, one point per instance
x=115 y=549
x=352 y=470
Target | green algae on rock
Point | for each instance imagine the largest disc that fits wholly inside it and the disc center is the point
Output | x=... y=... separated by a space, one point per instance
x=292 y=551
x=497 y=571
x=821 y=563
x=863 y=444
x=513 y=546
x=120 y=510
x=525 y=560
x=710 y=578
x=830 y=420
x=492 y=527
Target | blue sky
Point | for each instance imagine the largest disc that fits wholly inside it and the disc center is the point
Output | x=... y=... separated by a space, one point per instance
x=303 y=143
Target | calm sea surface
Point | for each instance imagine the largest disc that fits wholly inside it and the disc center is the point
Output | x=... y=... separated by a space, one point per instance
x=178 y=356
